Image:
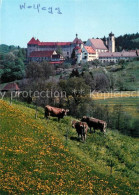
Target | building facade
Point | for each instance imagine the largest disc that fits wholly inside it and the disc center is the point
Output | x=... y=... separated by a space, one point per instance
x=88 y=54
x=114 y=57
x=93 y=49
x=66 y=48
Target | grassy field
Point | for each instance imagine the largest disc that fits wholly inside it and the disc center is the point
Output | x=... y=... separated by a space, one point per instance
x=130 y=104
x=36 y=157
x=122 y=94
x=129 y=75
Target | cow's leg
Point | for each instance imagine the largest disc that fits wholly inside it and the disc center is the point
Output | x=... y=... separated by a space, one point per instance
x=78 y=136
x=85 y=137
x=82 y=137
x=90 y=130
x=58 y=119
x=46 y=114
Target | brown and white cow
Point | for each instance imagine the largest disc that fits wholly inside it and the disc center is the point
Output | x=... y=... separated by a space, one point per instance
x=55 y=112
x=81 y=128
x=95 y=123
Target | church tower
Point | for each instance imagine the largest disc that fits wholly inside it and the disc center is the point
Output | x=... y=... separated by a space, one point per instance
x=111 y=42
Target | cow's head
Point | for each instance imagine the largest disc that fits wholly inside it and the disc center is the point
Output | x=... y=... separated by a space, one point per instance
x=66 y=111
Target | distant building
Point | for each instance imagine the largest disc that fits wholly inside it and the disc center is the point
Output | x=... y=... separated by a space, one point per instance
x=50 y=56
x=65 y=47
x=114 y=57
x=10 y=87
x=97 y=44
x=88 y=54
x=93 y=49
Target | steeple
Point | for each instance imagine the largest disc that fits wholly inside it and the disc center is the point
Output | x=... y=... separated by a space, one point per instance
x=111 y=42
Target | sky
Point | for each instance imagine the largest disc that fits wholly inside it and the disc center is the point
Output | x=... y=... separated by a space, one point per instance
x=87 y=18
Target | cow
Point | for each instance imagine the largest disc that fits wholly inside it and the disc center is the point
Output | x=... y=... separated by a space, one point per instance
x=55 y=112
x=81 y=128
x=95 y=123
x=73 y=123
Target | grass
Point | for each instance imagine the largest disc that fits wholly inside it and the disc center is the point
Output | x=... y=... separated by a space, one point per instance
x=130 y=104
x=36 y=157
x=121 y=94
x=129 y=76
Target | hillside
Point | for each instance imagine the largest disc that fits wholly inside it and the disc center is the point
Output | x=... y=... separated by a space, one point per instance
x=126 y=76
x=127 y=42
x=36 y=158
x=7 y=48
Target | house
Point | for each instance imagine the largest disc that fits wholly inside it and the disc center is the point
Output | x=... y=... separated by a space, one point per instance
x=88 y=54
x=50 y=56
x=97 y=45
x=10 y=87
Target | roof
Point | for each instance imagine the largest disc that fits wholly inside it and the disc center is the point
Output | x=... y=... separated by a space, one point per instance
x=89 y=49
x=11 y=87
x=54 y=43
x=77 y=41
x=98 y=44
x=33 y=41
x=41 y=54
x=56 y=62
x=118 y=54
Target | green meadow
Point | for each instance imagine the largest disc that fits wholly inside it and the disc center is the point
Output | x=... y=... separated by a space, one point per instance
x=45 y=156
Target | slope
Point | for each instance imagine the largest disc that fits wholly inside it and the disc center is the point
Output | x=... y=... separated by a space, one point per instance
x=35 y=158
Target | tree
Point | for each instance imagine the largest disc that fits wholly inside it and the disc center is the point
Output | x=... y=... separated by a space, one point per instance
x=96 y=63
x=89 y=80
x=13 y=68
x=37 y=70
x=73 y=54
x=101 y=82
x=59 y=50
x=12 y=64
x=74 y=73
x=76 y=94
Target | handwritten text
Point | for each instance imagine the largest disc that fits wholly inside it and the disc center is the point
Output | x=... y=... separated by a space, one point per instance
x=38 y=8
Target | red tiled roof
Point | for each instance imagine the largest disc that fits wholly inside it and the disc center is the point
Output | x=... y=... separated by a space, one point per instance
x=54 y=43
x=56 y=62
x=37 y=42
x=89 y=49
x=118 y=54
x=78 y=41
x=41 y=54
x=11 y=87
x=33 y=41
x=98 y=44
